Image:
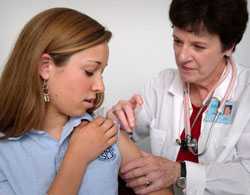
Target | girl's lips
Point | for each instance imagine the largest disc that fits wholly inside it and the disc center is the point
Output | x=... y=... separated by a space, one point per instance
x=89 y=103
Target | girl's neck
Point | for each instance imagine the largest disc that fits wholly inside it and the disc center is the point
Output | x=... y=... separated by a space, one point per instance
x=54 y=123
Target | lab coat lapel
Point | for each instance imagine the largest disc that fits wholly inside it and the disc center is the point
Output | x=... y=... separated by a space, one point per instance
x=176 y=89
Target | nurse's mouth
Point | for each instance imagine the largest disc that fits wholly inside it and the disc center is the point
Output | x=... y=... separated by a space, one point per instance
x=186 y=68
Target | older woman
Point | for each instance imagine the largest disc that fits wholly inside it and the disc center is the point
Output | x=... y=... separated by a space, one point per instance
x=198 y=147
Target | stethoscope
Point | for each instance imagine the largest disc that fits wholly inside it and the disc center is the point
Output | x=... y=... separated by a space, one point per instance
x=189 y=142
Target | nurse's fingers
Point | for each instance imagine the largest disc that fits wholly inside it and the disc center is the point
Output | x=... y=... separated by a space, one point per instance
x=129 y=113
x=128 y=108
x=118 y=114
x=120 y=111
x=146 y=189
x=124 y=112
x=133 y=168
x=136 y=100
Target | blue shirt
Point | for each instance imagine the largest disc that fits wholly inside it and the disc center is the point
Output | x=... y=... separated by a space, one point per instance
x=28 y=164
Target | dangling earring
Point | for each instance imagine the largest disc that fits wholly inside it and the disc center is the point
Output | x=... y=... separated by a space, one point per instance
x=45 y=91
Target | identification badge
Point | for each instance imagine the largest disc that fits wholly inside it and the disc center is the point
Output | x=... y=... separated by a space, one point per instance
x=226 y=117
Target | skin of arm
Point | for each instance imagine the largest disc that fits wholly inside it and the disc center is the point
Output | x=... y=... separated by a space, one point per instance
x=70 y=172
x=130 y=152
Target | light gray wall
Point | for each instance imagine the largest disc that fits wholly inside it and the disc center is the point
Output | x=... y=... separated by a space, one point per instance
x=141 y=45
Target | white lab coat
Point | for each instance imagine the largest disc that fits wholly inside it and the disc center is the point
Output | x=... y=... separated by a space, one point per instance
x=224 y=169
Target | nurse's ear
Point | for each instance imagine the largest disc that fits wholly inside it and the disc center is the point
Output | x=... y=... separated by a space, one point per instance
x=228 y=53
x=45 y=66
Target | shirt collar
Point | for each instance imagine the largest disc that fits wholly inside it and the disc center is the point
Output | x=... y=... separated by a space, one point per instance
x=68 y=128
x=72 y=123
x=221 y=89
x=176 y=87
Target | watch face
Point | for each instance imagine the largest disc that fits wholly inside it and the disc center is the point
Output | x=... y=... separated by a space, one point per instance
x=181 y=182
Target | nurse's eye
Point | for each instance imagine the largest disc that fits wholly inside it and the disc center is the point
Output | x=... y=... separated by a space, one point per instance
x=199 y=47
x=177 y=42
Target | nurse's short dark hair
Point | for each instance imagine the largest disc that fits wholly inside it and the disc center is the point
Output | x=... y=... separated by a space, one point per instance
x=226 y=18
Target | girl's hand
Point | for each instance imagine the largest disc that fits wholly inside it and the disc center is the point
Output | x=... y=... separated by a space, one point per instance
x=90 y=139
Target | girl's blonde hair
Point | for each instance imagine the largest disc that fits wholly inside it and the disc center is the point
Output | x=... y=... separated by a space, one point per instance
x=60 y=32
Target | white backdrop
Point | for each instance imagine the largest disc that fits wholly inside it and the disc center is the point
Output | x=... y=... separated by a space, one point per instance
x=141 y=45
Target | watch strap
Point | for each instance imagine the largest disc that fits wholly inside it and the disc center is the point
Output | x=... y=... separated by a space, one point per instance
x=181 y=181
x=183 y=169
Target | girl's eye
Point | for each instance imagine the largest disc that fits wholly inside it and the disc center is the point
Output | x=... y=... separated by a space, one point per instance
x=89 y=73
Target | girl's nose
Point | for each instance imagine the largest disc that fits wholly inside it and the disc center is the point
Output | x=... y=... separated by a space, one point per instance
x=98 y=84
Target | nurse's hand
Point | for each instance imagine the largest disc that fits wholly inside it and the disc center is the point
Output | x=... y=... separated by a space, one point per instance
x=150 y=173
x=124 y=112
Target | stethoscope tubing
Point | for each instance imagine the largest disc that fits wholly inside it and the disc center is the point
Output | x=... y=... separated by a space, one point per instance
x=188 y=135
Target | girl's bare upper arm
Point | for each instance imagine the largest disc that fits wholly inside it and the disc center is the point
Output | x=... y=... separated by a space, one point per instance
x=130 y=151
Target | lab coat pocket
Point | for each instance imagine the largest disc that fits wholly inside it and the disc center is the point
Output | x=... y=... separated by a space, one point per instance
x=226 y=147
x=157 y=138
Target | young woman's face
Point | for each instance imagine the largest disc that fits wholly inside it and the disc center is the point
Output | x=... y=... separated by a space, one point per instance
x=199 y=57
x=73 y=87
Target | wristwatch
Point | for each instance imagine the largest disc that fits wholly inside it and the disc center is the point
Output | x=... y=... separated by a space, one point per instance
x=181 y=181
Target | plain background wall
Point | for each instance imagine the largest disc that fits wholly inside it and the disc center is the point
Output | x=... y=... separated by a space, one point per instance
x=141 y=45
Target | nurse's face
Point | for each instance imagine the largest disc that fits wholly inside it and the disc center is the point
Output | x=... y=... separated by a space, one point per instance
x=199 y=57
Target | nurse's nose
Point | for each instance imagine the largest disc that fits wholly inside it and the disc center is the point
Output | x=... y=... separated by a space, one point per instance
x=98 y=84
x=184 y=54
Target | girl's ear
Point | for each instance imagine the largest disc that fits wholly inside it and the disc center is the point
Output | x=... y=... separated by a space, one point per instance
x=45 y=65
